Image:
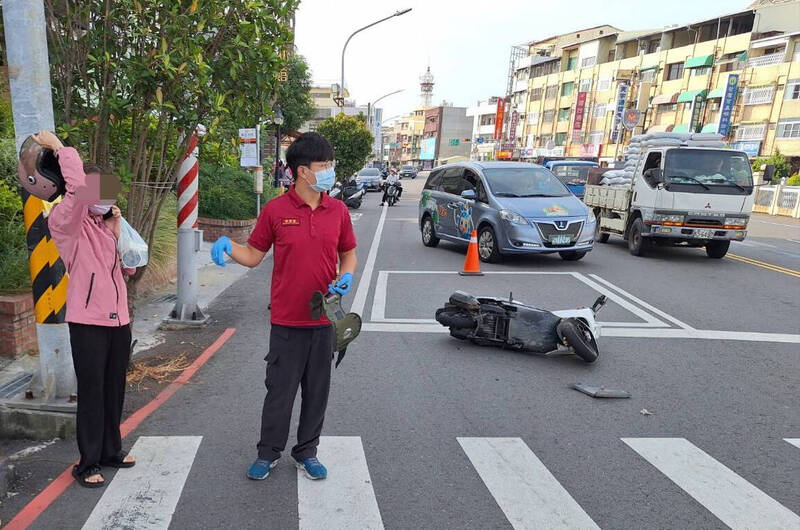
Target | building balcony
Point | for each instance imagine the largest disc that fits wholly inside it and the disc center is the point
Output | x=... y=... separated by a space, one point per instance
x=766 y=60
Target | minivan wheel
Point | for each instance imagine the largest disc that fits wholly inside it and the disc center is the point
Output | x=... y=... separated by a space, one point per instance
x=429 y=238
x=487 y=246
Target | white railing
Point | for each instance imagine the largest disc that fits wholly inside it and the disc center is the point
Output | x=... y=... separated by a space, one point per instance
x=758 y=95
x=751 y=132
x=777 y=200
x=766 y=60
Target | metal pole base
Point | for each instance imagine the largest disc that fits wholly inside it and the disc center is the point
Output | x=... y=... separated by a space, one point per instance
x=187 y=312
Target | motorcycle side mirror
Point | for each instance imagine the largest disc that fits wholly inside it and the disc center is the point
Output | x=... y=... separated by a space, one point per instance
x=599 y=303
x=468 y=194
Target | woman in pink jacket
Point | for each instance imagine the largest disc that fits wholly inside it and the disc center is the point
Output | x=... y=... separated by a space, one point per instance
x=85 y=232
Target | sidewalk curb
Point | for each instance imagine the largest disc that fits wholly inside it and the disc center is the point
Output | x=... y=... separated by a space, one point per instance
x=7 y=477
x=35 y=425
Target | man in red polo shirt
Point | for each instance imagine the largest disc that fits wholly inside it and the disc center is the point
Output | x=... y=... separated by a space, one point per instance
x=310 y=233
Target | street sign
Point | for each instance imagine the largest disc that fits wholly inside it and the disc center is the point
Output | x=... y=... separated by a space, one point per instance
x=454 y=142
x=498 y=118
x=728 y=101
x=697 y=113
x=580 y=107
x=248 y=143
x=631 y=118
x=480 y=139
x=512 y=132
x=622 y=97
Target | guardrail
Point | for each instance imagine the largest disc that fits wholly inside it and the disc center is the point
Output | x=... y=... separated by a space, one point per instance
x=778 y=200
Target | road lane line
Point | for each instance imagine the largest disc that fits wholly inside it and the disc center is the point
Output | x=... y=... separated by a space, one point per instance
x=360 y=299
x=644 y=315
x=529 y=495
x=146 y=495
x=641 y=302
x=43 y=500
x=378 y=313
x=736 y=502
x=345 y=499
x=764 y=265
x=794 y=441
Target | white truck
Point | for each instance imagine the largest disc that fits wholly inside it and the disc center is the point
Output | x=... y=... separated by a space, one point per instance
x=684 y=190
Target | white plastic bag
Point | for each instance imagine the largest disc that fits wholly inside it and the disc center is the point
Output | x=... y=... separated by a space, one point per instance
x=131 y=247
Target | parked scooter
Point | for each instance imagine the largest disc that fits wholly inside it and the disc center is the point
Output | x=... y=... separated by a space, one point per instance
x=511 y=324
x=351 y=193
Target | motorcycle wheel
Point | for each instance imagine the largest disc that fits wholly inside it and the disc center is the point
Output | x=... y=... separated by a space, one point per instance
x=578 y=337
x=457 y=320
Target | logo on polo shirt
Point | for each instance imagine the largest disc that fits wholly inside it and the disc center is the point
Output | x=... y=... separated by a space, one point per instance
x=290 y=221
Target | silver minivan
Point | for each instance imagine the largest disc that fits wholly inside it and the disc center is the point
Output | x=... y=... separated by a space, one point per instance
x=516 y=208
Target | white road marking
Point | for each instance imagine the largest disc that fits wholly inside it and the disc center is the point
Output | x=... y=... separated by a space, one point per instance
x=146 y=495
x=355 y=216
x=712 y=334
x=529 y=495
x=736 y=502
x=794 y=441
x=345 y=499
x=770 y=223
x=644 y=315
x=641 y=302
x=360 y=298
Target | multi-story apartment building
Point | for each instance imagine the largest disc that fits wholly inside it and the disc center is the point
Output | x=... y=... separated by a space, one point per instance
x=676 y=77
x=402 y=141
x=483 y=116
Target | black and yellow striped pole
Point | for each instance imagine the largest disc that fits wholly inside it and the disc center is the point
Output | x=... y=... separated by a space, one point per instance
x=48 y=274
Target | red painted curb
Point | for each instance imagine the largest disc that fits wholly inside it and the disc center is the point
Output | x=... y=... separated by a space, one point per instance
x=41 y=502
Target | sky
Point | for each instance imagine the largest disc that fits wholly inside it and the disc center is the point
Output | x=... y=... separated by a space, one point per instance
x=465 y=42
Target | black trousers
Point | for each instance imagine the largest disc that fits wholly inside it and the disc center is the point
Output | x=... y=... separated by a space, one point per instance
x=100 y=355
x=297 y=356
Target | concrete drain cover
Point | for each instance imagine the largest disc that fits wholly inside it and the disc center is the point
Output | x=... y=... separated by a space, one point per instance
x=15 y=386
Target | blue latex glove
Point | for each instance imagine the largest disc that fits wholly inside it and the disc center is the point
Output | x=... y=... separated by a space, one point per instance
x=221 y=247
x=342 y=286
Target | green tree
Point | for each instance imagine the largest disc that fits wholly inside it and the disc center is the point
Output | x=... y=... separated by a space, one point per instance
x=782 y=166
x=352 y=142
x=131 y=75
x=294 y=96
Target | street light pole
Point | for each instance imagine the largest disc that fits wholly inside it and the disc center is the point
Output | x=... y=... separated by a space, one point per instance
x=373 y=107
x=278 y=120
x=341 y=87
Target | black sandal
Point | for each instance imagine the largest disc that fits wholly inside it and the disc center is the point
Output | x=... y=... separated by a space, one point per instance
x=119 y=461
x=82 y=477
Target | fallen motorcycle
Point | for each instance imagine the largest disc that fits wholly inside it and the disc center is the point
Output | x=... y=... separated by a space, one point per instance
x=507 y=323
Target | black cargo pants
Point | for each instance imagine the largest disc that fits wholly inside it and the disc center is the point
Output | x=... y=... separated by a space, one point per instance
x=297 y=356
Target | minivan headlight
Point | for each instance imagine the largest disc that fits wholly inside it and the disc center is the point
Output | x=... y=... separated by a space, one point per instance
x=513 y=217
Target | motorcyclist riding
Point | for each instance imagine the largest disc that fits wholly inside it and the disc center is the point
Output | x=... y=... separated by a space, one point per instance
x=392 y=179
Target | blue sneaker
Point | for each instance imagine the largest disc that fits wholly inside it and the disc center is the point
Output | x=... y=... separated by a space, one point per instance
x=259 y=470
x=312 y=468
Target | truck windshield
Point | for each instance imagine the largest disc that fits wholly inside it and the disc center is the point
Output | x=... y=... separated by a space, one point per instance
x=524 y=182
x=572 y=175
x=706 y=168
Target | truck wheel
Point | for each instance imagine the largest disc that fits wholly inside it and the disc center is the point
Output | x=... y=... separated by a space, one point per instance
x=637 y=244
x=571 y=256
x=717 y=249
x=488 y=249
x=429 y=238
x=577 y=336
x=599 y=235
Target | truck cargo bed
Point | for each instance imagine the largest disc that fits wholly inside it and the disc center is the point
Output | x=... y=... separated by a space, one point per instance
x=614 y=198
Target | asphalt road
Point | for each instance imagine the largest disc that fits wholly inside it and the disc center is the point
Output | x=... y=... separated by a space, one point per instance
x=430 y=432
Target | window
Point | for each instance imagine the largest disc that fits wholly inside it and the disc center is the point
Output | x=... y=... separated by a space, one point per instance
x=566 y=88
x=551 y=92
x=612 y=55
x=544 y=139
x=586 y=62
x=731 y=62
x=788 y=128
x=653 y=162
x=758 y=95
x=796 y=54
x=533 y=117
x=563 y=114
x=792 y=89
x=648 y=76
x=672 y=107
x=653 y=45
x=487 y=119
x=674 y=71
x=473 y=182
x=603 y=83
x=585 y=85
x=751 y=132
x=596 y=137
x=451 y=181
x=434 y=180
x=703 y=70
x=536 y=94
x=561 y=138
x=571 y=63
x=600 y=110
x=548 y=115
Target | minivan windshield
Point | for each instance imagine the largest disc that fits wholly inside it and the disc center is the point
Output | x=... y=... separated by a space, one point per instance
x=572 y=175
x=706 y=168
x=524 y=182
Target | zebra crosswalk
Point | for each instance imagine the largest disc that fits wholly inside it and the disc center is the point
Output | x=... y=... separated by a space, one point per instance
x=527 y=493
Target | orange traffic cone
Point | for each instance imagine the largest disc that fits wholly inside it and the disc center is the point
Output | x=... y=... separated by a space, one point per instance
x=472 y=265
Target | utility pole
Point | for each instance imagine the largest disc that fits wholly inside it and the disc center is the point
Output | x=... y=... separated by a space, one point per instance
x=32 y=107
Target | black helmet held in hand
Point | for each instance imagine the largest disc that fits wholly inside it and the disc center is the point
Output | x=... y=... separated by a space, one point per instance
x=39 y=172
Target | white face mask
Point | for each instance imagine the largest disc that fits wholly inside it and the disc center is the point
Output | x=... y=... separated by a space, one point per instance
x=99 y=209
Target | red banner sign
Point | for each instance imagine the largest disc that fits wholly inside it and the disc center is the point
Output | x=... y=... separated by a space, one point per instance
x=498 y=118
x=580 y=107
x=512 y=132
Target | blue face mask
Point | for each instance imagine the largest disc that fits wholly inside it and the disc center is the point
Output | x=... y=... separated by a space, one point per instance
x=325 y=180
